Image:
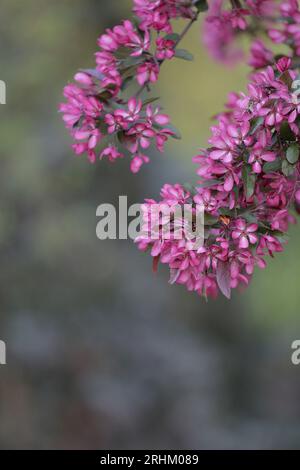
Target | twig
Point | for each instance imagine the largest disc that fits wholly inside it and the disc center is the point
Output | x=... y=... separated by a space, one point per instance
x=181 y=36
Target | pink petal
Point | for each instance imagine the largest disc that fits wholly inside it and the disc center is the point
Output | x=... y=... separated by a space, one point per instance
x=142 y=78
x=234 y=269
x=217 y=154
x=269 y=157
x=256 y=167
x=132 y=105
x=156 y=249
x=270 y=119
x=228 y=184
x=145 y=143
x=240 y=224
x=252 y=238
x=162 y=119
x=252 y=228
x=236 y=234
x=292 y=116
x=232 y=131
x=243 y=243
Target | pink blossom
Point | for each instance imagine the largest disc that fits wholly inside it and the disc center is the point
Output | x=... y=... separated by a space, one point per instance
x=137 y=162
x=219 y=35
x=112 y=153
x=147 y=72
x=157 y=14
x=165 y=48
x=116 y=121
x=283 y=64
x=258 y=156
x=248 y=177
x=244 y=233
x=260 y=55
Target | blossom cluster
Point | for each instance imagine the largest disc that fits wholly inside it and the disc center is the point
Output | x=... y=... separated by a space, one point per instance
x=250 y=174
x=226 y=20
x=104 y=122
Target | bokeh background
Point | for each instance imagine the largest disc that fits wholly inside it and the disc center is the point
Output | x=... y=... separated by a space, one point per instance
x=102 y=353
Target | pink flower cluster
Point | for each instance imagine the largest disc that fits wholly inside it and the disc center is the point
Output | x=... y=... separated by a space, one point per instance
x=227 y=19
x=289 y=29
x=249 y=176
x=99 y=118
x=157 y=14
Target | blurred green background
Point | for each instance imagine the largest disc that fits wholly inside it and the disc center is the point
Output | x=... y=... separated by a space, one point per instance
x=102 y=353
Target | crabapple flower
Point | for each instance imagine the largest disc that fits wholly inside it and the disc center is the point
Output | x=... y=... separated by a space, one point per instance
x=147 y=73
x=244 y=233
x=137 y=162
x=165 y=48
x=260 y=55
x=258 y=156
x=157 y=14
x=219 y=33
x=111 y=153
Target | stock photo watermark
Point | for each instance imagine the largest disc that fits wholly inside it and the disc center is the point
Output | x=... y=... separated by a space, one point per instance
x=296 y=92
x=2 y=343
x=295 y=357
x=2 y=353
x=155 y=221
x=2 y=92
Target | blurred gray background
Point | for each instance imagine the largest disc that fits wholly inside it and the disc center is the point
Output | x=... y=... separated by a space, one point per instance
x=102 y=353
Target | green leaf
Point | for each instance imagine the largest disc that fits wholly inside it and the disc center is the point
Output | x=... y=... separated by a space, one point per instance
x=121 y=137
x=126 y=83
x=286 y=168
x=210 y=219
x=183 y=54
x=286 y=78
x=190 y=188
x=130 y=61
x=176 y=133
x=174 y=274
x=286 y=132
x=201 y=5
x=102 y=126
x=282 y=238
x=250 y=218
x=249 y=180
x=272 y=166
x=128 y=72
x=292 y=153
x=225 y=211
x=224 y=278
x=122 y=53
x=236 y=192
x=150 y=100
x=208 y=183
x=172 y=37
x=94 y=73
x=255 y=124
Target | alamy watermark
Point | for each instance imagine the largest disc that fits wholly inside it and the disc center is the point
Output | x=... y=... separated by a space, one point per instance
x=2 y=343
x=2 y=353
x=296 y=92
x=295 y=357
x=155 y=221
x=2 y=92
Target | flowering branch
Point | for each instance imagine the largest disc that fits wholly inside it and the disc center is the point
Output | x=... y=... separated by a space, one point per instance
x=176 y=44
x=249 y=174
x=96 y=107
